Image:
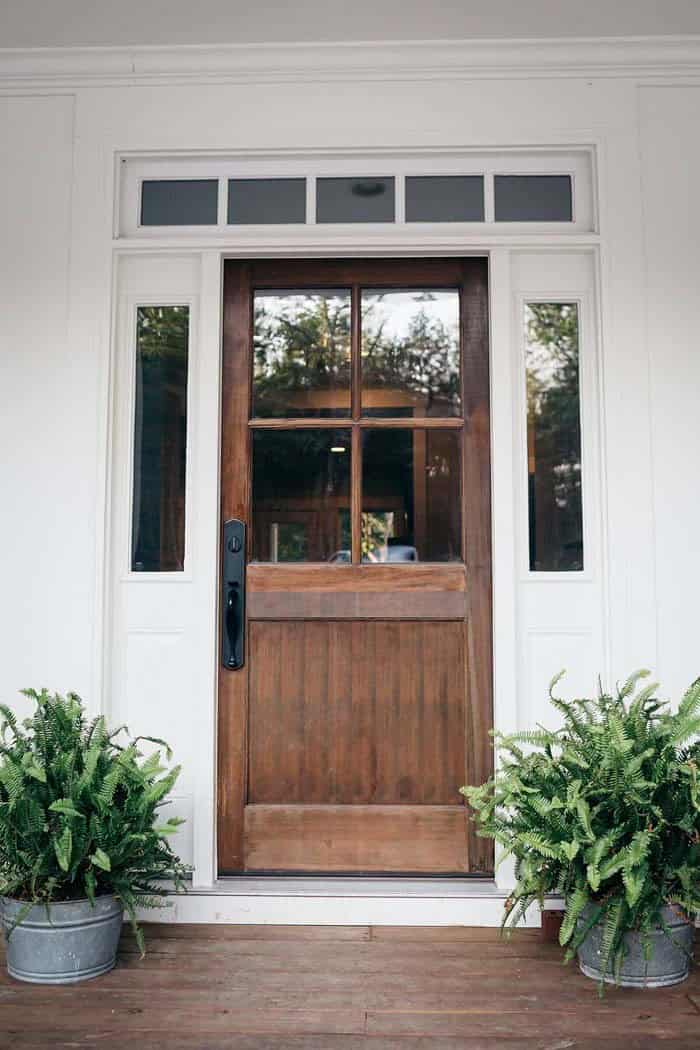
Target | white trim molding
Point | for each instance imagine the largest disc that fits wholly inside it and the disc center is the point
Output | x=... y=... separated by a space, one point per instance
x=375 y=60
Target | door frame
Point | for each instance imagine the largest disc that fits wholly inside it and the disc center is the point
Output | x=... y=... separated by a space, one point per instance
x=478 y=525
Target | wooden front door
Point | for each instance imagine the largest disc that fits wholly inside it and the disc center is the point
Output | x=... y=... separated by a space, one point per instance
x=356 y=451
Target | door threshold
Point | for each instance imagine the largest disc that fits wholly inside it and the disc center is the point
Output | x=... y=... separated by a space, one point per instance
x=353 y=886
x=359 y=901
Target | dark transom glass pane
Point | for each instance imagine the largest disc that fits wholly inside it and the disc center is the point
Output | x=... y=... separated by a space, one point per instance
x=160 y=439
x=301 y=353
x=266 y=201
x=445 y=198
x=179 y=202
x=554 y=437
x=301 y=495
x=411 y=495
x=411 y=353
x=355 y=200
x=533 y=198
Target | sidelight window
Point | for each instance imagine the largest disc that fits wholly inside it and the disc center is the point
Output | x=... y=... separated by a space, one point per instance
x=555 y=504
x=160 y=439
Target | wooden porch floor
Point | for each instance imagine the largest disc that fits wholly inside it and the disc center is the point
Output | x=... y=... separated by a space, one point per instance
x=322 y=988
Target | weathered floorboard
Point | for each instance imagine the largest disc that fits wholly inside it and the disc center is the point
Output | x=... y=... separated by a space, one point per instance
x=344 y=988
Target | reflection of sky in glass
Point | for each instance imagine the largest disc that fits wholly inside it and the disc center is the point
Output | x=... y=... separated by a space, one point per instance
x=395 y=310
x=276 y=305
x=542 y=361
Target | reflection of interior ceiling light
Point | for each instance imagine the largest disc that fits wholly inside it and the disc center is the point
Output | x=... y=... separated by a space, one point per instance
x=368 y=188
x=337 y=448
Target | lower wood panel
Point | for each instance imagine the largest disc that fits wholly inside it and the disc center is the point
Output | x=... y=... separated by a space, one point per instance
x=405 y=839
x=356 y=712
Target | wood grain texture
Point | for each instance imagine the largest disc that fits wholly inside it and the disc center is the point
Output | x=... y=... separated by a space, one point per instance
x=376 y=422
x=356 y=838
x=476 y=516
x=358 y=605
x=415 y=576
x=235 y=503
x=335 y=273
x=378 y=725
x=303 y=988
x=360 y=712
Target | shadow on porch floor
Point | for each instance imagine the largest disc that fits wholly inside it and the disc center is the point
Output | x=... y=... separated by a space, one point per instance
x=341 y=988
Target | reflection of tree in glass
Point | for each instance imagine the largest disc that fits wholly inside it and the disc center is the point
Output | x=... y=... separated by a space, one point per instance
x=291 y=542
x=554 y=436
x=301 y=344
x=160 y=438
x=377 y=527
x=162 y=332
x=423 y=360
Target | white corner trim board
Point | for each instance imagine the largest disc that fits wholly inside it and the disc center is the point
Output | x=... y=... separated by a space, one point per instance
x=379 y=60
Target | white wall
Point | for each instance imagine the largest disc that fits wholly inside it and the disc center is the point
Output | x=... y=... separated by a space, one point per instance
x=670 y=148
x=61 y=318
x=48 y=424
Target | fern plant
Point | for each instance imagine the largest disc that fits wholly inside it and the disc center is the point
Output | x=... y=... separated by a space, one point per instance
x=78 y=810
x=605 y=811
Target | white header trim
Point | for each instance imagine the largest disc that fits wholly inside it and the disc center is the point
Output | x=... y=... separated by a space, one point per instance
x=378 y=60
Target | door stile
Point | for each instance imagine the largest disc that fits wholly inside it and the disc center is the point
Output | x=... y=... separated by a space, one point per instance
x=232 y=714
x=476 y=523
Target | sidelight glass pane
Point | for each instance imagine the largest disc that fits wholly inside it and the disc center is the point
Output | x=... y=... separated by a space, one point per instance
x=266 y=201
x=533 y=198
x=411 y=495
x=301 y=495
x=554 y=437
x=179 y=202
x=355 y=200
x=445 y=198
x=160 y=439
x=301 y=353
x=411 y=353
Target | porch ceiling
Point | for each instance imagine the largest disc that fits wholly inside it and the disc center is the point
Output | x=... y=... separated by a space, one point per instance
x=102 y=23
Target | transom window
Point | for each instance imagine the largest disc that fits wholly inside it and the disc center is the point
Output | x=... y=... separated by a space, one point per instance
x=511 y=188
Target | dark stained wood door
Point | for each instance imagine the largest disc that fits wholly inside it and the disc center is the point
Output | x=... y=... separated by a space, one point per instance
x=356 y=447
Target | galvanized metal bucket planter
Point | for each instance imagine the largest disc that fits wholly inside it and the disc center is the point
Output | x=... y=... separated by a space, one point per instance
x=72 y=942
x=670 y=957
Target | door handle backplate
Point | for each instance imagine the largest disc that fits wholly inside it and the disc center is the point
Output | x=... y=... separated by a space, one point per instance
x=233 y=596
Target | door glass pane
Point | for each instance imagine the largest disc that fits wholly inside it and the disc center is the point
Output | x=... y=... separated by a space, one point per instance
x=160 y=439
x=554 y=437
x=301 y=495
x=301 y=353
x=411 y=353
x=411 y=495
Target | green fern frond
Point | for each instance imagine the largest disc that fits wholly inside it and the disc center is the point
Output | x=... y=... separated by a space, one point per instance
x=78 y=811
x=605 y=810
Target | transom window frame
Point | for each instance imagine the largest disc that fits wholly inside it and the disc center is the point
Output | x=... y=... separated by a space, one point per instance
x=577 y=162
